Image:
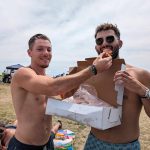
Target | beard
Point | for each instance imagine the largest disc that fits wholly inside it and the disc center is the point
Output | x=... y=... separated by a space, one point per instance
x=115 y=52
x=44 y=66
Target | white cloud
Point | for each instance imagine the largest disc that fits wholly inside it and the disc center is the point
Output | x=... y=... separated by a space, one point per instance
x=71 y=25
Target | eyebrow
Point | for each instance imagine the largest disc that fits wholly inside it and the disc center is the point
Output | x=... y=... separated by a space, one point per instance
x=40 y=46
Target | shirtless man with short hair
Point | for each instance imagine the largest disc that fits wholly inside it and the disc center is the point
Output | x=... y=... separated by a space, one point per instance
x=30 y=88
x=136 y=82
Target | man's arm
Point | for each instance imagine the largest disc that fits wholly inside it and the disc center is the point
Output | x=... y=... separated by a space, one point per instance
x=145 y=97
x=27 y=79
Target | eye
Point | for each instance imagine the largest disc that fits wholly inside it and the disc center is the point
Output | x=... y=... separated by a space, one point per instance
x=99 y=41
x=110 y=39
x=49 y=49
x=39 y=49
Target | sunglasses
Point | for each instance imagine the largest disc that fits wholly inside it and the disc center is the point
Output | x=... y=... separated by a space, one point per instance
x=109 y=39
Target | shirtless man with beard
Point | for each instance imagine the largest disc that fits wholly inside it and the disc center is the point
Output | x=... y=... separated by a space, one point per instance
x=136 y=95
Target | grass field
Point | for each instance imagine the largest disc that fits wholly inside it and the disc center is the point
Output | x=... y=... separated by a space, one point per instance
x=81 y=131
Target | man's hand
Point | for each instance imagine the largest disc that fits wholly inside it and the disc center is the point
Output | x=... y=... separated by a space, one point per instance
x=102 y=63
x=130 y=83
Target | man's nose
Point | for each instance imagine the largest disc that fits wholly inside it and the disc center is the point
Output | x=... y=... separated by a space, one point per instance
x=46 y=52
x=104 y=43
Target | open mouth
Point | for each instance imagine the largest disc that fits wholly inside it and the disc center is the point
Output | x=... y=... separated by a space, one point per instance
x=108 y=52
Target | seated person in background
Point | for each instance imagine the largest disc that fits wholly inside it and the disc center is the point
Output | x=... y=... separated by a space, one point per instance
x=8 y=131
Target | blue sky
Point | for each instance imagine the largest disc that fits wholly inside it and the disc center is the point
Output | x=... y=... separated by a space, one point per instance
x=71 y=24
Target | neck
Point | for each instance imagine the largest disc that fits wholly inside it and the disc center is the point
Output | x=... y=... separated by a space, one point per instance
x=38 y=70
x=118 y=57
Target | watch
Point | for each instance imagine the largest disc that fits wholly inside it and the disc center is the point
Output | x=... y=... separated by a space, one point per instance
x=147 y=94
x=93 y=70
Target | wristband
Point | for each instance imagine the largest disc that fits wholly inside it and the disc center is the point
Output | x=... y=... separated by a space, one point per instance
x=147 y=94
x=93 y=70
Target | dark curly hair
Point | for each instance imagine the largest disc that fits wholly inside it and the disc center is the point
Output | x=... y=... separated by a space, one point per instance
x=108 y=26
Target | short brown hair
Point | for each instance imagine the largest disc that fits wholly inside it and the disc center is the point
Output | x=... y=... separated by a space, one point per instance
x=35 y=37
x=107 y=26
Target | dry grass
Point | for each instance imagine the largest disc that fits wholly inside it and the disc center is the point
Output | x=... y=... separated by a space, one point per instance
x=81 y=131
x=6 y=109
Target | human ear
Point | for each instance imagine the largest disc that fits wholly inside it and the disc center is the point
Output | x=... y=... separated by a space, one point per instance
x=120 y=43
x=29 y=52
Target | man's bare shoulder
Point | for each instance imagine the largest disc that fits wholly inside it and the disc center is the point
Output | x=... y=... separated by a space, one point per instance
x=136 y=69
x=143 y=75
x=22 y=74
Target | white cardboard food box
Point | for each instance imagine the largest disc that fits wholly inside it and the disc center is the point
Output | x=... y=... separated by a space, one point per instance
x=100 y=117
x=97 y=117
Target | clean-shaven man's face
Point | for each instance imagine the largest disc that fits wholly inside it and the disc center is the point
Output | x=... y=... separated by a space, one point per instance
x=41 y=53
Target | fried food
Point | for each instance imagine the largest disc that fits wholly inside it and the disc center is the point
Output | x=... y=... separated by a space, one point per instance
x=108 y=53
